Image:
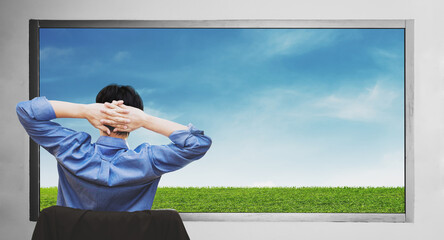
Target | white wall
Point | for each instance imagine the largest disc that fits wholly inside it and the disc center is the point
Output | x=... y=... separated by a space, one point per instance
x=428 y=127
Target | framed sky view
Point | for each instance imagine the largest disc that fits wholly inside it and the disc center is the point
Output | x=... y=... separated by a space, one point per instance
x=287 y=103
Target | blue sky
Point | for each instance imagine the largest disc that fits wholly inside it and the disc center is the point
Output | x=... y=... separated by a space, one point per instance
x=284 y=107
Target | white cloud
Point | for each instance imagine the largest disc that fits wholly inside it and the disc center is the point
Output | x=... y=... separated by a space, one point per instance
x=263 y=45
x=378 y=52
x=369 y=105
x=271 y=104
x=121 y=55
x=298 y=42
x=150 y=109
x=390 y=59
x=53 y=52
x=145 y=91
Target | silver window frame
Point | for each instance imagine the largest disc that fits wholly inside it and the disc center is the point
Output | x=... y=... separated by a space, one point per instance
x=406 y=24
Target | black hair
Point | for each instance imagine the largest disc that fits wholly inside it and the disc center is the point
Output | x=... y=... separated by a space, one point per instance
x=119 y=92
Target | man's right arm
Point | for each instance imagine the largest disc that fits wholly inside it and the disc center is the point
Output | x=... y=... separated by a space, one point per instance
x=188 y=143
x=162 y=126
x=187 y=146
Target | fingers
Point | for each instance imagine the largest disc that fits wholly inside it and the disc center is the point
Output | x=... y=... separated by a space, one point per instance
x=117 y=103
x=107 y=112
x=122 y=129
x=118 y=127
x=114 y=123
x=115 y=112
x=121 y=105
x=112 y=105
x=118 y=120
x=121 y=110
x=105 y=129
x=117 y=108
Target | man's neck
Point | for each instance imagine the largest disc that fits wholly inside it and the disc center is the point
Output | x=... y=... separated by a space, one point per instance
x=124 y=137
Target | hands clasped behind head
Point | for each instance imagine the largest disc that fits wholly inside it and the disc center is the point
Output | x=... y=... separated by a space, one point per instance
x=116 y=115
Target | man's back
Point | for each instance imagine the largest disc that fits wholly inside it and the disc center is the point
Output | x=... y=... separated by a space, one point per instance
x=107 y=175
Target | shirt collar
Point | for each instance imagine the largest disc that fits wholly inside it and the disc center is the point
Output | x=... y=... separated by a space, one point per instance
x=112 y=142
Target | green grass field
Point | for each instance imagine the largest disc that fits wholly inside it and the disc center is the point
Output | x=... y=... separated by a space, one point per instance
x=275 y=199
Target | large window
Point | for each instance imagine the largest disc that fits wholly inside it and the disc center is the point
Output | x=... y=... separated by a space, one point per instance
x=304 y=119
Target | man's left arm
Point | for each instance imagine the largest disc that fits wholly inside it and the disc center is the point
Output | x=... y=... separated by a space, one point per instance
x=90 y=112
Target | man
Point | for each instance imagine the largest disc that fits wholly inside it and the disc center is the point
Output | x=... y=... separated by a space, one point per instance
x=107 y=175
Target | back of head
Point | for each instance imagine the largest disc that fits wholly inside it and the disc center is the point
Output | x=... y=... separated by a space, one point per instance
x=118 y=92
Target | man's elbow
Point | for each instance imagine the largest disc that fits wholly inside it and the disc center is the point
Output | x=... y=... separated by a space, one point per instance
x=209 y=141
x=19 y=107
x=200 y=147
x=25 y=113
x=20 y=110
x=205 y=143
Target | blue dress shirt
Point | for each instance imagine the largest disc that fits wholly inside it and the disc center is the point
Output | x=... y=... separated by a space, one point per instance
x=107 y=175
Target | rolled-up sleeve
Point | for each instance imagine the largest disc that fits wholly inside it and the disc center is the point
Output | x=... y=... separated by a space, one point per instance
x=35 y=116
x=187 y=146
